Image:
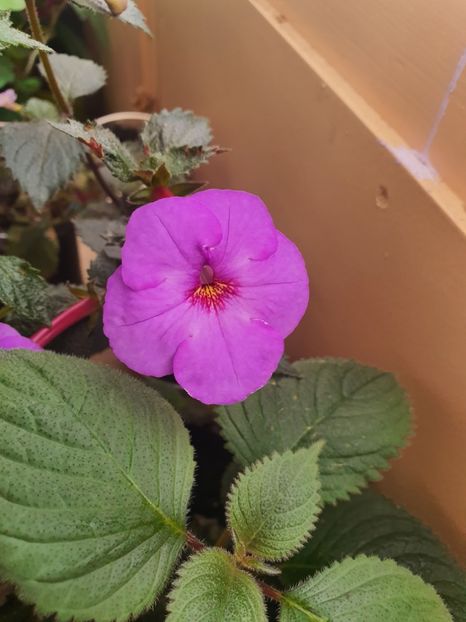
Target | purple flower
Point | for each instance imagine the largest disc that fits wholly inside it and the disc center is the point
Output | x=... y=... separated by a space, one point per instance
x=8 y=100
x=208 y=290
x=10 y=339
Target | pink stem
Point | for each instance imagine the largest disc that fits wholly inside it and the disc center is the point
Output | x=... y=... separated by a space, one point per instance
x=65 y=320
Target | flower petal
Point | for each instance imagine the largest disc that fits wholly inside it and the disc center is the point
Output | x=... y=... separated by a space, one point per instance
x=146 y=327
x=277 y=289
x=10 y=339
x=227 y=357
x=164 y=237
x=248 y=230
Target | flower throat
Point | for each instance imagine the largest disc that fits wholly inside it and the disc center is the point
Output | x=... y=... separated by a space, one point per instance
x=210 y=293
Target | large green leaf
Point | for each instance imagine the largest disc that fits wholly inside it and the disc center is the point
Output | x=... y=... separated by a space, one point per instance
x=211 y=588
x=23 y=290
x=96 y=477
x=365 y=589
x=40 y=158
x=12 y=36
x=76 y=76
x=131 y=15
x=373 y=525
x=274 y=504
x=361 y=413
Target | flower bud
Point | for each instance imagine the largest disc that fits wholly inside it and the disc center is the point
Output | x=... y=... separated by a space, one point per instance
x=117 y=6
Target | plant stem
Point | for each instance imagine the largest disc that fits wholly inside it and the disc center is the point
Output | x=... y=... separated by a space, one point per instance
x=36 y=30
x=60 y=100
x=65 y=320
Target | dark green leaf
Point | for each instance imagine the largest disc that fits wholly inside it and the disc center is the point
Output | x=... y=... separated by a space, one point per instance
x=76 y=76
x=12 y=36
x=361 y=413
x=33 y=243
x=40 y=158
x=373 y=525
x=23 y=290
x=96 y=477
x=7 y=71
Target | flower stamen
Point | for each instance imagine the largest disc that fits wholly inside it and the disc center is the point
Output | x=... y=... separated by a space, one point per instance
x=212 y=295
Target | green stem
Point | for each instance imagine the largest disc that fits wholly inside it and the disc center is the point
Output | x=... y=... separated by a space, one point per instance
x=36 y=30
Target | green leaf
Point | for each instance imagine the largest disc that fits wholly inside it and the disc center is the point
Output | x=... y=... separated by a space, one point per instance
x=96 y=477
x=12 y=36
x=178 y=140
x=373 y=525
x=99 y=232
x=22 y=289
x=32 y=243
x=105 y=145
x=274 y=504
x=12 y=5
x=211 y=588
x=364 y=589
x=7 y=71
x=76 y=76
x=40 y=158
x=362 y=414
x=132 y=15
x=36 y=108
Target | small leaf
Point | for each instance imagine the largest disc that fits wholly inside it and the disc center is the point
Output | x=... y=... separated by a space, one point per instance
x=12 y=36
x=362 y=414
x=12 y=5
x=364 y=589
x=40 y=158
x=211 y=588
x=373 y=525
x=23 y=290
x=131 y=15
x=97 y=233
x=178 y=140
x=96 y=477
x=274 y=504
x=105 y=145
x=36 y=108
x=76 y=76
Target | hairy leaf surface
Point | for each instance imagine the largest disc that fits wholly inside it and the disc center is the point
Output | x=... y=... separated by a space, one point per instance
x=76 y=76
x=12 y=36
x=23 y=290
x=131 y=15
x=364 y=589
x=373 y=525
x=274 y=504
x=211 y=588
x=96 y=476
x=361 y=413
x=40 y=158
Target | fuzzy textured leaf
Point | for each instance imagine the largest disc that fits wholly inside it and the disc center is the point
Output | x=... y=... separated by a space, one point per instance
x=96 y=477
x=40 y=158
x=23 y=289
x=131 y=15
x=373 y=525
x=211 y=588
x=178 y=140
x=273 y=505
x=362 y=414
x=10 y=36
x=36 y=108
x=105 y=145
x=76 y=76
x=364 y=589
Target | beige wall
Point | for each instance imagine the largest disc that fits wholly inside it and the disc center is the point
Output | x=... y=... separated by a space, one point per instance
x=306 y=121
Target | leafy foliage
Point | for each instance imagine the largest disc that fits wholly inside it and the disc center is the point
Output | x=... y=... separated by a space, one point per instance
x=132 y=15
x=364 y=589
x=105 y=145
x=93 y=492
x=33 y=244
x=40 y=158
x=12 y=36
x=36 y=108
x=361 y=413
x=76 y=76
x=211 y=588
x=372 y=525
x=274 y=504
x=23 y=290
x=177 y=140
